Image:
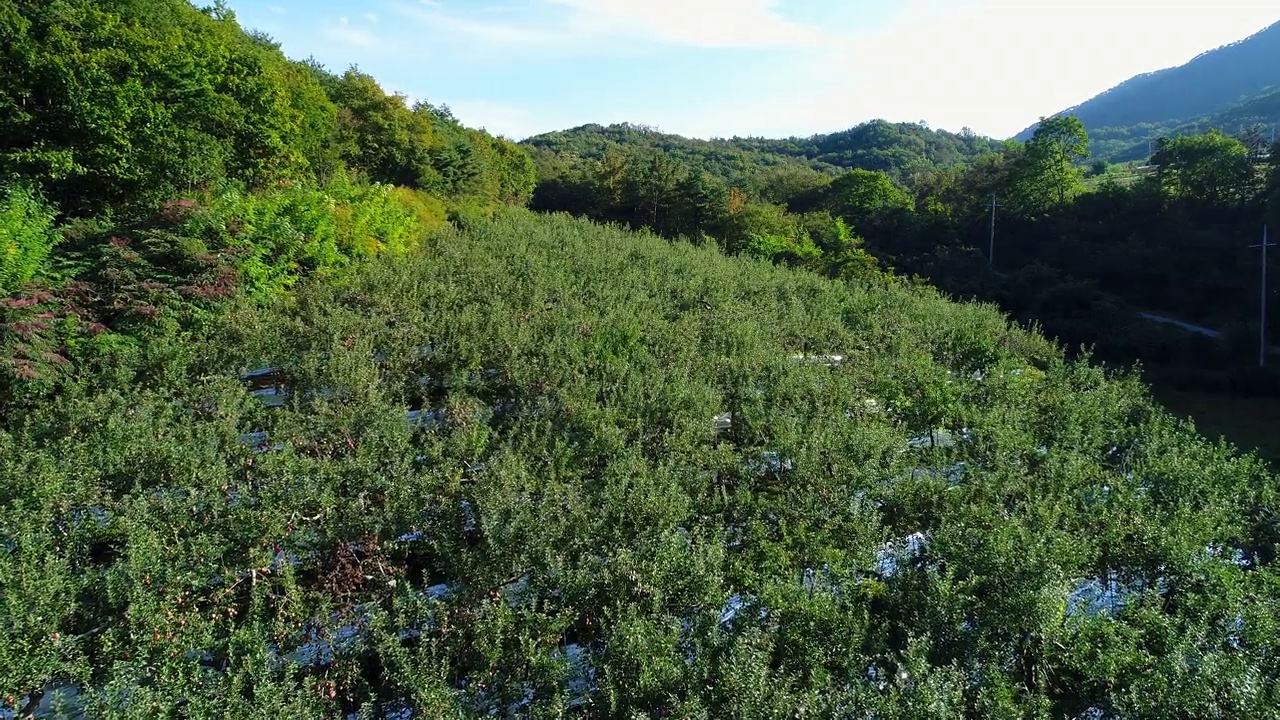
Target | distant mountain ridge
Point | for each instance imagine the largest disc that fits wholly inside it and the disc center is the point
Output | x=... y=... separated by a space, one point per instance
x=1211 y=83
x=894 y=148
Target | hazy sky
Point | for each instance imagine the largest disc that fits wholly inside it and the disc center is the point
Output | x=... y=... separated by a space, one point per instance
x=752 y=67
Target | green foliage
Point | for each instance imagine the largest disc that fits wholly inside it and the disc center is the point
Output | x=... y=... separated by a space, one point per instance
x=845 y=254
x=107 y=111
x=529 y=465
x=923 y=528
x=1210 y=169
x=120 y=106
x=384 y=138
x=512 y=175
x=781 y=249
x=27 y=237
x=282 y=234
x=747 y=221
x=863 y=198
x=1046 y=174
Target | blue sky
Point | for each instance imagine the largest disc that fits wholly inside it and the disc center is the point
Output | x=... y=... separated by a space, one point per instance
x=776 y=68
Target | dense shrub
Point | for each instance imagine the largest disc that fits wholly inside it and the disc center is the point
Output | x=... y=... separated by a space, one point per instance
x=284 y=233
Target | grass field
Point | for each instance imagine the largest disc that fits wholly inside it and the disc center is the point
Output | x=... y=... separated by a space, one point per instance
x=1251 y=423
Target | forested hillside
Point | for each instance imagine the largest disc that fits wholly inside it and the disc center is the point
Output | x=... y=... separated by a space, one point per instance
x=1208 y=84
x=878 y=145
x=1232 y=88
x=894 y=148
x=1254 y=120
x=303 y=415
x=119 y=106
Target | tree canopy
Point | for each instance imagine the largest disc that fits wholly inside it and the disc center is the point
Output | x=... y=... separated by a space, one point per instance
x=122 y=105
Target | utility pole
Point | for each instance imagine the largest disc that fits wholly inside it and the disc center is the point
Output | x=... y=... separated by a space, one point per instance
x=991 y=252
x=1262 y=302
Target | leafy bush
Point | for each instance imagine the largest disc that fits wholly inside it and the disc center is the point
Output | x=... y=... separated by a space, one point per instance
x=429 y=211
x=469 y=216
x=285 y=233
x=281 y=234
x=781 y=249
x=27 y=236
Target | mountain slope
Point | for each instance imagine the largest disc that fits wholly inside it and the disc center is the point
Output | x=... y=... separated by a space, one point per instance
x=1210 y=83
x=1252 y=120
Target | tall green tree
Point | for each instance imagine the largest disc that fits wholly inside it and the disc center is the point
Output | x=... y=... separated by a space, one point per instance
x=1208 y=169
x=703 y=205
x=865 y=197
x=117 y=106
x=1047 y=173
x=384 y=138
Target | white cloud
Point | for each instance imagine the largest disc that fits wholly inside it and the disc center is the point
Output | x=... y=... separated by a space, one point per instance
x=701 y=23
x=371 y=17
x=344 y=33
x=493 y=33
x=590 y=23
x=993 y=65
x=513 y=121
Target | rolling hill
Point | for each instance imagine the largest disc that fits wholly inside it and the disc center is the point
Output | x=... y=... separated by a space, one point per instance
x=894 y=148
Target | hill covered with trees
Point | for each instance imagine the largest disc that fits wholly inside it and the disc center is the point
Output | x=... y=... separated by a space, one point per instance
x=1253 y=120
x=119 y=106
x=895 y=148
x=1210 y=83
x=1229 y=88
x=303 y=415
